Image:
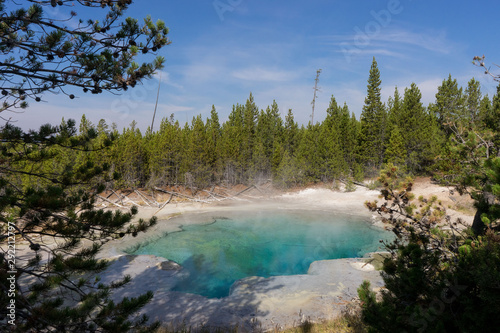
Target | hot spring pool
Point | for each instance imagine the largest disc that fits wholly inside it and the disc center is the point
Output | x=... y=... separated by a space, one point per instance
x=260 y=243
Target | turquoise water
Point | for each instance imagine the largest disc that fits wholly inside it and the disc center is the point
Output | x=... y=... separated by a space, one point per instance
x=266 y=243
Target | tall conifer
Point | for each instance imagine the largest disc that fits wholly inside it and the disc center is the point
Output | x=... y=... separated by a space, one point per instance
x=291 y=134
x=373 y=118
x=396 y=151
x=213 y=143
x=250 y=115
x=348 y=137
x=394 y=106
x=308 y=153
x=450 y=101
x=472 y=100
x=331 y=151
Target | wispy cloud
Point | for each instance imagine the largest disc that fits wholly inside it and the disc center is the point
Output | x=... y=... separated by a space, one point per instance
x=375 y=51
x=391 y=42
x=201 y=72
x=170 y=108
x=164 y=77
x=435 y=41
x=262 y=74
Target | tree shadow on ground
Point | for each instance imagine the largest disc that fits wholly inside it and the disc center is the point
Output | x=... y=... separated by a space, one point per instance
x=241 y=310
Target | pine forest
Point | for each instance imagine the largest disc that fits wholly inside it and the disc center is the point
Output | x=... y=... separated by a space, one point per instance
x=255 y=146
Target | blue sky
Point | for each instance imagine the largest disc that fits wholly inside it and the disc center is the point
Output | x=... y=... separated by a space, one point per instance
x=224 y=49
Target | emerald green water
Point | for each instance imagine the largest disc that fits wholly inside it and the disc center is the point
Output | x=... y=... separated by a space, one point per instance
x=266 y=243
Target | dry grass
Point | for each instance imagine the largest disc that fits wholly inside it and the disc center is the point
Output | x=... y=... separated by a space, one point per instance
x=349 y=322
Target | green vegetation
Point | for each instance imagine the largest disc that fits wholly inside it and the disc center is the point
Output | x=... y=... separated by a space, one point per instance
x=373 y=123
x=255 y=146
x=436 y=279
x=50 y=230
x=443 y=279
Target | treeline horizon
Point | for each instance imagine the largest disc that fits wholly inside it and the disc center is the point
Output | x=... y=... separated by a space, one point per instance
x=255 y=146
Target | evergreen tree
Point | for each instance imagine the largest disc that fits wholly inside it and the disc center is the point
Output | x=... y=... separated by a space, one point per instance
x=231 y=146
x=276 y=158
x=373 y=118
x=270 y=128
x=472 y=100
x=394 y=107
x=494 y=121
x=436 y=279
x=264 y=149
x=396 y=151
x=55 y=287
x=276 y=123
x=278 y=131
x=214 y=144
x=308 y=154
x=197 y=156
x=269 y=135
x=291 y=134
x=164 y=154
x=129 y=157
x=332 y=155
x=287 y=173
x=485 y=115
x=43 y=54
x=102 y=127
x=348 y=139
x=419 y=134
x=450 y=101
x=85 y=125
x=250 y=114
x=105 y=138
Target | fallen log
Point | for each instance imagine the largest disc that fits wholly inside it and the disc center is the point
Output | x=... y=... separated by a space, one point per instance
x=258 y=189
x=359 y=184
x=109 y=201
x=352 y=181
x=164 y=204
x=132 y=201
x=224 y=196
x=119 y=196
x=146 y=200
x=243 y=191
x=180 y=195
x=210 y=194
